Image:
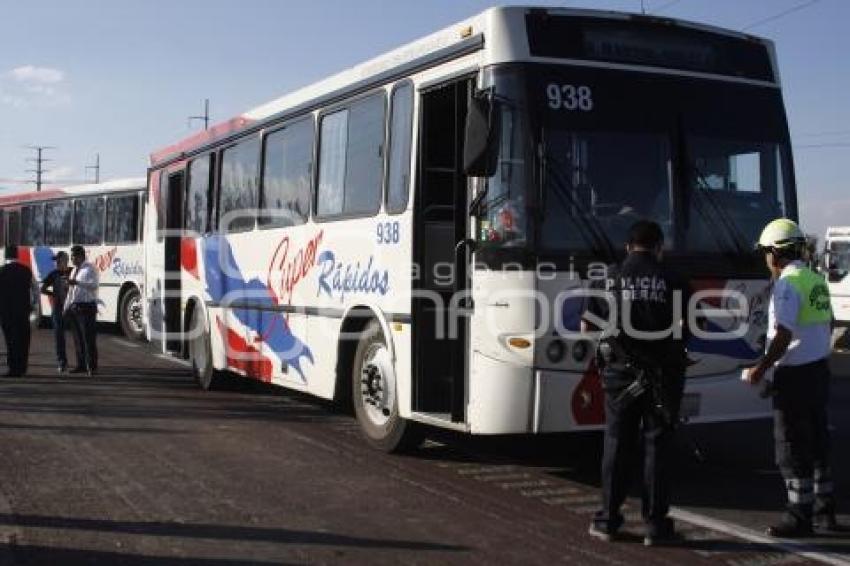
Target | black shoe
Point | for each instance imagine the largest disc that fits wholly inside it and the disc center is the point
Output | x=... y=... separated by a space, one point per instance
x=602 y=533
x=662 y=533
x=12 y=374
x=62 y=368
x=79 y=370
x=790 y=529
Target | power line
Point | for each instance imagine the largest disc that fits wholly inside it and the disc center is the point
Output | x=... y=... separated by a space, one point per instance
x=782 y=14
x=96 y=168
x=39 y=164
x=821 y=145
x=205 y=117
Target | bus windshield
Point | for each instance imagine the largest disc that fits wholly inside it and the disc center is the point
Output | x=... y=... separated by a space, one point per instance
x=708 y=160
x=839 y=256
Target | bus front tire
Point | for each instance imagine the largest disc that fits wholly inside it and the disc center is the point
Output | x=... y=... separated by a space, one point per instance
x=130 y=315
x=375 y=395
x=200 y=354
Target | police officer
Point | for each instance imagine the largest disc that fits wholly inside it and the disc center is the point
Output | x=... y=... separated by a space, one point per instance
x=798 y=347
x=641 y=338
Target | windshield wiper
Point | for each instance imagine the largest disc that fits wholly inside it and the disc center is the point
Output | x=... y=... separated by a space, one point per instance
x=703 y=190
x=588 y=224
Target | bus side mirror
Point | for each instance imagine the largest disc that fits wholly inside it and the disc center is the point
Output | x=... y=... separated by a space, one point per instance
x=481 y=136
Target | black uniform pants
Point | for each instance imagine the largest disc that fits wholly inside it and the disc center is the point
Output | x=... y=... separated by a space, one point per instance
x=16 y=332
x=801 y=436
x=83 y=317
x=627 y=430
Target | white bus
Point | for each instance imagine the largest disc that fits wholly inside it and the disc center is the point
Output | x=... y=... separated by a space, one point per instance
x=106 y=219
x=399 y=235
x=836 y=261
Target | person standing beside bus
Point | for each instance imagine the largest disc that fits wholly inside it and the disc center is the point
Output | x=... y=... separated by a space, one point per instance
x=81 y=304
x=798 y=347
x=55 y=286
x=16 y=306
x=642 y=359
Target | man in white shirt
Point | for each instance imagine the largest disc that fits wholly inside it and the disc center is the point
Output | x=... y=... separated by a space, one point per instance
x=799 y=331
x=81 y=305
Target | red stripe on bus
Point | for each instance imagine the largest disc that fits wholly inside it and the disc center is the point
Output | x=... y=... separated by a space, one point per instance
x=245 y=357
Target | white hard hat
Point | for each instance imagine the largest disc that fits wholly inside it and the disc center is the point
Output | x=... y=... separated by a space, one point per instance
x=781 y=233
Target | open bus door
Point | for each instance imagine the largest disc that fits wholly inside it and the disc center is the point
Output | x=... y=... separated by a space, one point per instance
x=172 y=288
x=440 y=334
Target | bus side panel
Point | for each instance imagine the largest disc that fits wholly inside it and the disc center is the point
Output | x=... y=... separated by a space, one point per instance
x=501 y=376
x=117 y=266
x=154 y=262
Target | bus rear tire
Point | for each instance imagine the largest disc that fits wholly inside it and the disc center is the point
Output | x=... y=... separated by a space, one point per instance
x=375 y=397
x=130 y=315
x=200 y=354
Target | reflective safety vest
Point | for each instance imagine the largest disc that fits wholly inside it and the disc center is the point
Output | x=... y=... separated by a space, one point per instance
x=811 y=287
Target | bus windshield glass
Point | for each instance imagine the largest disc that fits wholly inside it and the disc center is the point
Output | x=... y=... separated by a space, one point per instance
x=839 y=256
x=708 y=160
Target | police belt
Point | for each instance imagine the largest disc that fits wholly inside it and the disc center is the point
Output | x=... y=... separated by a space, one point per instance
x=612 y=355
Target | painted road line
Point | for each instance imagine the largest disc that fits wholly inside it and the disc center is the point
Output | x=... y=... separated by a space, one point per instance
x=178 y=361
x=799 y=548
x=125 y=343
x=547 y=491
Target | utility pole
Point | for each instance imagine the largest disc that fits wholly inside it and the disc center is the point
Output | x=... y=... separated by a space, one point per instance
x=205 y=117
x=96 y=168
x=39 y=163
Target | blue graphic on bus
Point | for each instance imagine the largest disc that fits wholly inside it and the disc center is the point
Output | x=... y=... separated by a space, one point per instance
x=251 y=302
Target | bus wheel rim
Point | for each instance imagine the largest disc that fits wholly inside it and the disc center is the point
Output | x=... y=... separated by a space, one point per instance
x=377 y=385
x=134 y=314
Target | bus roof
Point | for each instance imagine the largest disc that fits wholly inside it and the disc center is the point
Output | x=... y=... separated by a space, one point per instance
x=117 y=185
x=463 y=37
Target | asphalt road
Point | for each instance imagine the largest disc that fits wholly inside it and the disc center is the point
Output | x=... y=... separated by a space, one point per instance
x=137 y=466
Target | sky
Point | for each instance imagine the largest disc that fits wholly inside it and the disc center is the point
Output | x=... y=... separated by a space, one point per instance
x=120 y=78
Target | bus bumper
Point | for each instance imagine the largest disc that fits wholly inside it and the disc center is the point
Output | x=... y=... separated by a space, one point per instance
x=505 y=398
x=567 y=401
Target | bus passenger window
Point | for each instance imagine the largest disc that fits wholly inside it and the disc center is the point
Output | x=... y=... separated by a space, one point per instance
x=287 y=175
x=238 y=186
x=351 y=159
x=32 y=225
x=57 y=223
x=401 y=124
x=197 y=199
x=88 y=221
x=122 y=219
x=330 y=196
x=13 y=228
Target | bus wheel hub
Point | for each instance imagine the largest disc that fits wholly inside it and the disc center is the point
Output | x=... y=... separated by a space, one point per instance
x=377 y=385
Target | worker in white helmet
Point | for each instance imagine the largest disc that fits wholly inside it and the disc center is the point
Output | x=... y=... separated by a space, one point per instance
x=798 y=347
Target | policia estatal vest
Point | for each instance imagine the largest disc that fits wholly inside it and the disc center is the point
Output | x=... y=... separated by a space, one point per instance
x=798 y=347
x=643 y=367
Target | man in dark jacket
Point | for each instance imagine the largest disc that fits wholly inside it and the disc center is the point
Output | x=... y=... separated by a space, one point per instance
x=16 y=303
x=55 y=286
